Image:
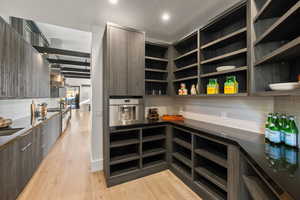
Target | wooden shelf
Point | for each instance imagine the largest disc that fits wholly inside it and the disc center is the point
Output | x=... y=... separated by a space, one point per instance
x=215 y=157
x=156 y=59
x=156 y=95
x=257 y=189
x=222 y=39
x=282 y=27
x=124 y=158
x=154 y=163
x=214 y=176
x=186 y=67
x=181 y=171
x=122 y=143
x=288 y=51
x=183 y=159
x=273 y=8
x=216 y=195
x=154 y=138
x=225 y=56
x=214 y=95
x=156 y=81
x=153 y=152
x=123 y=172
x=278 y=93
x=156 y=70
x=182 y=143
x=224 y=72
x=186 y=79
x=224 y=95
x=186 y=54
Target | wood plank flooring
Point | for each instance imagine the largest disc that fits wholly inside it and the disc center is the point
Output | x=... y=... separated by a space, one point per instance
x=65 y=174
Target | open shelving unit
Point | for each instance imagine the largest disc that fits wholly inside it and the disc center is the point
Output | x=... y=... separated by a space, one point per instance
x=186 y=62
x=133 y=150
x=276 y=46
x=124 y=152
x=201 y=160
x=211 y=166
x=182 y=151
x=156 y=69
x=153 y=146
x=223 y=42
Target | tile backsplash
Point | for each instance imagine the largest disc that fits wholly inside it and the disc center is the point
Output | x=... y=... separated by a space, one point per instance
x=19 y=108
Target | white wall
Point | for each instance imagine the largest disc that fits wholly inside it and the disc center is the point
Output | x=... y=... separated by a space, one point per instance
x=85 y=92
x=19 y=108
x=97 y=96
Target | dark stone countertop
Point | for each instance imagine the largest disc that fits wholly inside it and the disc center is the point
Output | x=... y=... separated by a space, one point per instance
x=269 y=159
x=26 y=125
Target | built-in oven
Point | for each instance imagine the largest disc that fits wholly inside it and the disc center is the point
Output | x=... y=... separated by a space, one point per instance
x=124 y=111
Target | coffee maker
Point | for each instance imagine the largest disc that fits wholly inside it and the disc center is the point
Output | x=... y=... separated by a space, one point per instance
x=124 y=111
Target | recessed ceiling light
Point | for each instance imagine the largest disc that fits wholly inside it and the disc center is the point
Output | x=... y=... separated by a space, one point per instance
x=165 y=16
x=113 y=1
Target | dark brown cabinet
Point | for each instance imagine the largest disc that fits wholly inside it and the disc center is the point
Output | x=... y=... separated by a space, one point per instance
x=50 y=134
x=8 y=172
x=37 y=146
x=124 y=58
x=136 y=63
x=24 y=73
x=25 y=159
x=21 y=158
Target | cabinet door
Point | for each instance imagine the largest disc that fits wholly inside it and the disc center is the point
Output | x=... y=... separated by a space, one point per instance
x=2 y=56
x=8 y=172
x=118 y=43
x=37 y=146
x=25 y=159
x=136 y=63
x=10 y=50
x=45 y=140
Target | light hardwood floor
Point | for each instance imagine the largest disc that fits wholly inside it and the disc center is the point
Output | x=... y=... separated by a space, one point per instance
x=65 y=174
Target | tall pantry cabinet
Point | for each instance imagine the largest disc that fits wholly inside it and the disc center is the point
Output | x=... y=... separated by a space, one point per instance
x=124 y=53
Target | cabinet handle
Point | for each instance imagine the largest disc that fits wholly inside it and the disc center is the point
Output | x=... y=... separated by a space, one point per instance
x=26 y=147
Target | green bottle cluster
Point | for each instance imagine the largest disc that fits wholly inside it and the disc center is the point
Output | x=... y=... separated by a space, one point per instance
x=281 y=129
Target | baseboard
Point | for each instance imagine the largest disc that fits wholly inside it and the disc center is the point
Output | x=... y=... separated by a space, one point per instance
x=96 y=165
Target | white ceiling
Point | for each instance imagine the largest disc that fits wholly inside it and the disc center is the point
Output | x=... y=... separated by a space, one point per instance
x=70 y=39
x=186 y=15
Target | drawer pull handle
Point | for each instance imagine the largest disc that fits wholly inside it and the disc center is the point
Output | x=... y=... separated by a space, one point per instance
x=26 y=147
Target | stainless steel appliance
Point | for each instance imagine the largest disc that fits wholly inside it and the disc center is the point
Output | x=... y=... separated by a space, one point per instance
x=125 y=111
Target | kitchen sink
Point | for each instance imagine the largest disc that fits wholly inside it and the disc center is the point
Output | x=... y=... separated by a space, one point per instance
x=8 y=132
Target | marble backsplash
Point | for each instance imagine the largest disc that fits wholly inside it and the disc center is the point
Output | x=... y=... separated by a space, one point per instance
x=18 y=108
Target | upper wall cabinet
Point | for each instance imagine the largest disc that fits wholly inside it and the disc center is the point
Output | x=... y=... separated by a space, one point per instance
x=23 y=71
x=124 y=53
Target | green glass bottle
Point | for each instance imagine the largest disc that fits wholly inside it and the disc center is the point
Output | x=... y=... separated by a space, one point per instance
x=291 y=133
x=267 y=124
x=274 y=133
x=282 y=123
